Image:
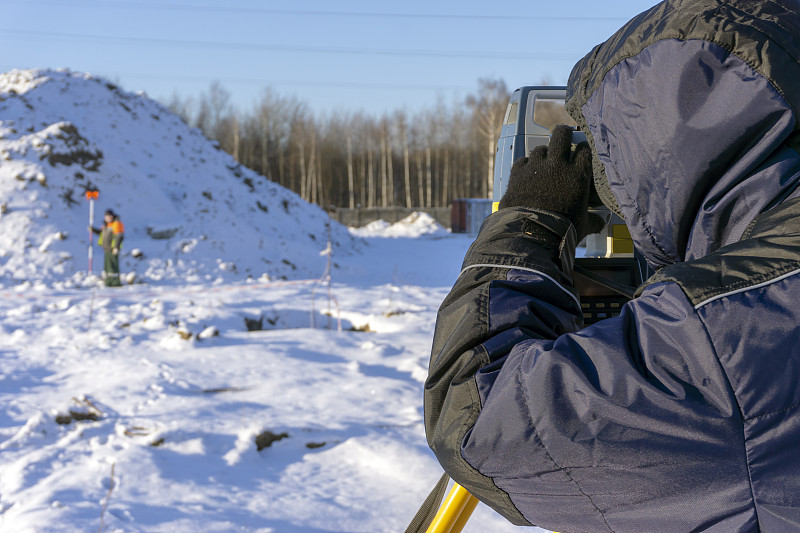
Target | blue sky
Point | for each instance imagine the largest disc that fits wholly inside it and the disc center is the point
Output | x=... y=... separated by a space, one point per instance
x=347 y=55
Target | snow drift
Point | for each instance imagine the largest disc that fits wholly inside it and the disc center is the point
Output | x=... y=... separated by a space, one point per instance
x=414 y=225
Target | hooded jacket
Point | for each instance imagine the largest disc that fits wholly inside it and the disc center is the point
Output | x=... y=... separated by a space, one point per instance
x=682 y=413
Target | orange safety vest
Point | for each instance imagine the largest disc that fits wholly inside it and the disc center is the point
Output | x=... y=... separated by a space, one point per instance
x=116 y=226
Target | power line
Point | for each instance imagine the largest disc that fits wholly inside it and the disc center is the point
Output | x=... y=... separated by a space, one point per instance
x=471 y=54
x=324 y=13
x=307 y=83
x=270 y=82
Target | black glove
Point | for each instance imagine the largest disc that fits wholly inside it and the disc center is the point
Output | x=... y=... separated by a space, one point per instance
x=558 y=179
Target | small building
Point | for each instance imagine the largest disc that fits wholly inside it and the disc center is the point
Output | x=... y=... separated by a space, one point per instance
x=467 y=214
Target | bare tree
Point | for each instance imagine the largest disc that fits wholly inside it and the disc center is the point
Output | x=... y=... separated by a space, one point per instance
x=488 y=107
x=420 y=181
x=401 y=121
x=351 y=192
x=370 y=175
x=213 y=109
x=183 y=107
x=311 y=187
x=446 y=179
x=384 y=181
x=219 y=103
x=236 y=136
x=302 y=147
x=428 y=176
x=386 y=135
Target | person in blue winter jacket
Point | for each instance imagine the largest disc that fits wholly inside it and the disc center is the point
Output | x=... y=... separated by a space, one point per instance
x=683 y=413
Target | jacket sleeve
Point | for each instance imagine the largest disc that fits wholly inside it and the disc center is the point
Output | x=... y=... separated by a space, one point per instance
x=569 y=429
x=513 y=243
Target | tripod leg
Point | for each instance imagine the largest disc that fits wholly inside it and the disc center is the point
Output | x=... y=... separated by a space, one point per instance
x=454 y=512
x=472 y=502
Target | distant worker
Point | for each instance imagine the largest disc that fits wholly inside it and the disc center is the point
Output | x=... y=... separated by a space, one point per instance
x=111 y=235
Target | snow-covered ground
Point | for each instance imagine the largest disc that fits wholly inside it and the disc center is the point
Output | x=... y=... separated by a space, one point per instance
x=231 y=388
x=178 y=390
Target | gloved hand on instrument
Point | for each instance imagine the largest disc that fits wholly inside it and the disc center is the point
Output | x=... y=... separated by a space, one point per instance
x=556 y=178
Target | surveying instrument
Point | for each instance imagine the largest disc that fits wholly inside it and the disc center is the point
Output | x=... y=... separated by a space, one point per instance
x=605 y=277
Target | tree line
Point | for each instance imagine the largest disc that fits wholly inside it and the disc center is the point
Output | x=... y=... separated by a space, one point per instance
x=425 y=159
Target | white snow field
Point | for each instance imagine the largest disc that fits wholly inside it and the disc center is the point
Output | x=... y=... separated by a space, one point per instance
x=193 y=212
x=177 y=390
x=143 y=408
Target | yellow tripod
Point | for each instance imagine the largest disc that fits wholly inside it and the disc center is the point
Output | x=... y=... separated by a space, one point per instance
x=454 y=512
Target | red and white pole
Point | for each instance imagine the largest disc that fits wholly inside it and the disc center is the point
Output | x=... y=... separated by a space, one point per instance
x=91 y=195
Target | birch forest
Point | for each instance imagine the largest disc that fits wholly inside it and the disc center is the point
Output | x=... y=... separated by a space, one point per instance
x=425 y=159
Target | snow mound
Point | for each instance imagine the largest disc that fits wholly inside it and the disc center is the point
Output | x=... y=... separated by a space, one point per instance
x=191 y=212
x=413 y=226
